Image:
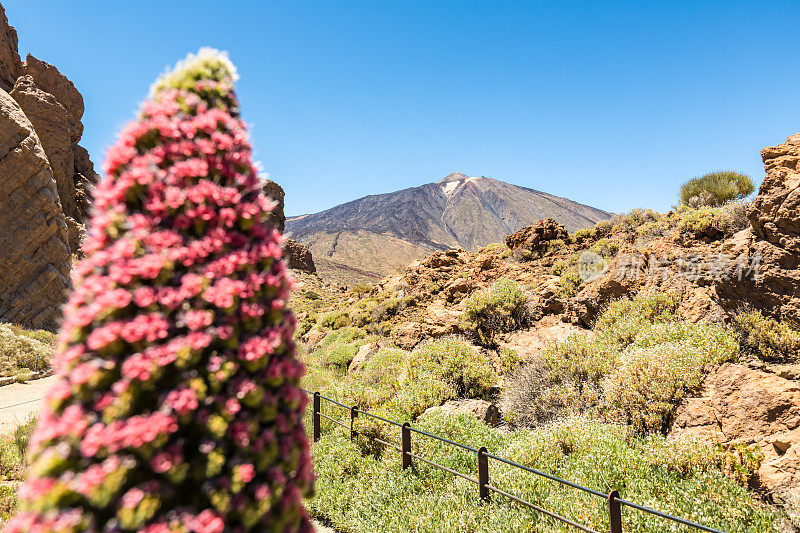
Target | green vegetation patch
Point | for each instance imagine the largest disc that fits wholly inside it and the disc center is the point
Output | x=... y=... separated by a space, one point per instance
x=503 y=307
x=365 y=493
x=23 y=351
x=768 y=338
x=716 y=188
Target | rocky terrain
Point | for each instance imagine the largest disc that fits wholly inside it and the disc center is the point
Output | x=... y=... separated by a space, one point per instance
x=733 y=267
x=46 y=190
x=368 y=238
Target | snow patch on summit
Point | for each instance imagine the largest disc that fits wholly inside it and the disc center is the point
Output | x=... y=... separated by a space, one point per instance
x=452 y=182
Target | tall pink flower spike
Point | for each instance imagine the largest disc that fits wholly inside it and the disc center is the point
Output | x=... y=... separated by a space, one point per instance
x=177 y=406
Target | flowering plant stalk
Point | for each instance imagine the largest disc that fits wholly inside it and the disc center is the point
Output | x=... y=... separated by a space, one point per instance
x=176 y=407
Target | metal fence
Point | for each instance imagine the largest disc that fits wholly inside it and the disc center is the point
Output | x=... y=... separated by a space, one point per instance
x=485 y=488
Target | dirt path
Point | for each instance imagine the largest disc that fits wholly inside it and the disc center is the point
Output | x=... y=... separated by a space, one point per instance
x=19 y=400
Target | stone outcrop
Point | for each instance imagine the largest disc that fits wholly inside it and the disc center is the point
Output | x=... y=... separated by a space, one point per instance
x=774 y=213
x=742 y=405
x=298 y=257
x=773 y=242
x=10 y=62
x=34 y=253
x=536 y=237
x=55 y=108
x=486 y=412
x=275 y=191
x=46 y=187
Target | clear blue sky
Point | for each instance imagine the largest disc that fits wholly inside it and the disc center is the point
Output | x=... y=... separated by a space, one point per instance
x=613 y=104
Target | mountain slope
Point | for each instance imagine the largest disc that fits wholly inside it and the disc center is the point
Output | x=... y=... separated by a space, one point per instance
x=455 y=212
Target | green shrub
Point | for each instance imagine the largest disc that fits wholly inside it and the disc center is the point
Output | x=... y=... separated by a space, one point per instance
x=503 y=307
x=607 y=248
x=647 y=382
x=8 y=502
x=340 y=355
x=559 y=267
x=716 y=188
x=767 y=338
x=457 y=364
x=570 y=282
x=638 y=365
x=24 y=350
x=362 y=493
x=22 y=436
x=334 y=320
x=624 y=318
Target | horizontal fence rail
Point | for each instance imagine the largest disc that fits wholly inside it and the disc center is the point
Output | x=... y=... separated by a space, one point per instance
x=612 y=499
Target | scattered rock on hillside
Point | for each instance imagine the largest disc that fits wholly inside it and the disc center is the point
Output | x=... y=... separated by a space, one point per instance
x=528 y=343
x=536 y=237
x=34 y=252
x=364 y=354
x=482 y=410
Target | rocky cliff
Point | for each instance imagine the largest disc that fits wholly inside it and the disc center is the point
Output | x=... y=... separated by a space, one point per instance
x=47 y=183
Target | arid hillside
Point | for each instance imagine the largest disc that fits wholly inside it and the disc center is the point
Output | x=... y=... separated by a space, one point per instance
x=371 y=237
x=682 y=326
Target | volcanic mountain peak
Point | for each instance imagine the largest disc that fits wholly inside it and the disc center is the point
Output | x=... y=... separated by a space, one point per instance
x=453 y=181
x=372 y=236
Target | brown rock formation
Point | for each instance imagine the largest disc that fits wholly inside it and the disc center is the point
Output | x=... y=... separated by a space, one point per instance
x=741 y=405
x=536 y=237
x=774 y=213
x=297 y=256
x=54 y=107
x=10 y=63
x=774 y=240
x=34 y=254
x=275 y=191
x=45 y=193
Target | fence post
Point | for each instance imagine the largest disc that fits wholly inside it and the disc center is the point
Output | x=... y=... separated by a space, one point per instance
x=353 y=415
x=614 y=512
x=406 y=442
x=317 y=425
x=483 y=473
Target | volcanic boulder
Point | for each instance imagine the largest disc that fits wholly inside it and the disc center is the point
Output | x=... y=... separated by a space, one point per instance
x=536 y=237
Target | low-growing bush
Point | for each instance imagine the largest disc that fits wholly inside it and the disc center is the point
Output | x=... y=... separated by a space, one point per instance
x=456 y=363
x=570 y=281
x=503 y=307
x=361 y=493
x=767 y=338
x=22 y=350
x=334 y=320
x=530 y=398
x=624 y=318
x=714 y=222
x=716 y=188
x=607 y=248
x=635 y=369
